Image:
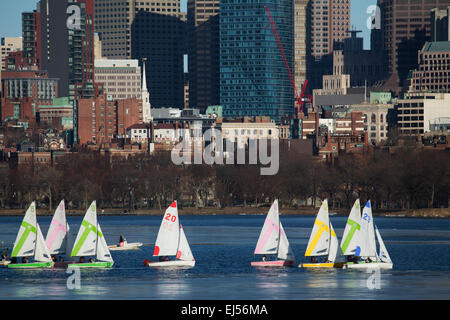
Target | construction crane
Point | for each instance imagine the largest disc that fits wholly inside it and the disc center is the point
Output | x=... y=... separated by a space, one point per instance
x=302 y=98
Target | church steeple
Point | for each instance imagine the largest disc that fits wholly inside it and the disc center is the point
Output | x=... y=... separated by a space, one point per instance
x=146 y=106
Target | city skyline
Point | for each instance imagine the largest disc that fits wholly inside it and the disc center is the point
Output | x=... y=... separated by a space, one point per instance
x=11 y=17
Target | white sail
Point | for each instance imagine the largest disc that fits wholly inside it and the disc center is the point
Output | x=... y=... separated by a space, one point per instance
x=319 y=241
x=169 y=232
x=184 y=251
x=269 y=236
x=350 y=239
x=334 y=245
x=384 y=255
x=57 y=235
x=368 y=244
x=103 y=253
x=284 y=249
x=42 y=254
x=25 y=243
x=85 y=243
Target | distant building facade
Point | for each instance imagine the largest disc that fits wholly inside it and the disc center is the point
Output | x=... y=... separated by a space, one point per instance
x=203 y=53
x=405 y=28
x=418 y=113
x=253 y=76
x=432 y=74
x=121 y=79
x=9 y=44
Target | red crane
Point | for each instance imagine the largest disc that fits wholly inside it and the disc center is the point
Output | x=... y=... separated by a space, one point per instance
x=300 y=99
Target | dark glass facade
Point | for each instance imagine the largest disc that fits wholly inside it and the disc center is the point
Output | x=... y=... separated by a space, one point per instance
x=253 y=78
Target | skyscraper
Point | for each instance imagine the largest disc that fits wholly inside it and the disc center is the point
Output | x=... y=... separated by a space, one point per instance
x=203 y=53
x=67 y=28
x=137 y=29
x=32 y=38
x=330 y=23
x=405 y=27
x=114 y=20
x=302 y=41
x=253 y=77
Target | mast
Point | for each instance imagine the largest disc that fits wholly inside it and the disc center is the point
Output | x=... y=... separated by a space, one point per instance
x=279 y=232
x=96 y=241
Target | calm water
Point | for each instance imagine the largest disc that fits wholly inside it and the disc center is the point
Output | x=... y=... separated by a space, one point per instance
x=223 y=248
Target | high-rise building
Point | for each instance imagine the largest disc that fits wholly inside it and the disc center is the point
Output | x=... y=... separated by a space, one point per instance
x=68 y=45
x=138 y=29
x=440 y=24
x=405 y=27
x=301 y=41
x=203 y=53
x=32 y=38
x=114 y=20
x=330 y=23
x=253 y=77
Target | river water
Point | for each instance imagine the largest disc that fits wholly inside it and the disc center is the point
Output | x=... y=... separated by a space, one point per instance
x=223 y=248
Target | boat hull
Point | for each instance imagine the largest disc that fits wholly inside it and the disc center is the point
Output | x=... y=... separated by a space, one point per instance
x=276 y=263
x=31 y=265
x=368 y=265
x=4 y=263
x=97 y=265
x=129 y=246
x=172 y=263
x=322 y=265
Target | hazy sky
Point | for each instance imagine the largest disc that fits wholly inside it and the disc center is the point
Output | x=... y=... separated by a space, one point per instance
x=11 y=16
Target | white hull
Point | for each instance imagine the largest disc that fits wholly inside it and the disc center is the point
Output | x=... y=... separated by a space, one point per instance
x=128 y=246
x=370 y=265
x=173 y=263
x=4 y=263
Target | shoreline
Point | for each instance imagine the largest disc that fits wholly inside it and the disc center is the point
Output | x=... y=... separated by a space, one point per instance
x=412 y=213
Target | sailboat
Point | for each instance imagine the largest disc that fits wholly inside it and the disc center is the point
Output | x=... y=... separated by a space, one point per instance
x=30 y=243
x=57 y=239
x=171 y=241
x=322 y=242
x=352 y=232
x=367 y=245
x=124 y=245
x=273 y=241
x=91 y=241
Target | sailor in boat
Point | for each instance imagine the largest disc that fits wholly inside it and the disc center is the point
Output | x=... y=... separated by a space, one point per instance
x=264 y=258
x=122 y=241
x=5 y=254
x=313 y=259
x=91 y=260
x=24 y=260
x=81 y=260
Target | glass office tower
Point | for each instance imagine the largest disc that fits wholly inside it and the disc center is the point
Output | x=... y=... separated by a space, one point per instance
x=253 y=77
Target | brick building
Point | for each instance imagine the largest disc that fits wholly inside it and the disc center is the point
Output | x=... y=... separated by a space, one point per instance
x=102 y=119
x=23 y=91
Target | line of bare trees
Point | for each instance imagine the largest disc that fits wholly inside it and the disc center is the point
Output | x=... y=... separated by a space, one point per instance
x=407 y=180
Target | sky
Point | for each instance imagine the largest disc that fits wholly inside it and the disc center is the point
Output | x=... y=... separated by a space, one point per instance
x=11 y=17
